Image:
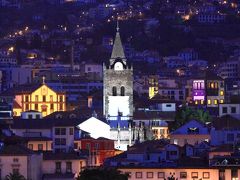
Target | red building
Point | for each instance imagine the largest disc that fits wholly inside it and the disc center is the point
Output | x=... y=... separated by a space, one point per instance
x=100 y=149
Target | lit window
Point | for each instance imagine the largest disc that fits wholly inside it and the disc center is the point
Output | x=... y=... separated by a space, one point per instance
x=196 y=102
x=215 y=101
x=202 y=101
x=221 y=93
x=221 y=101
x=209 y=101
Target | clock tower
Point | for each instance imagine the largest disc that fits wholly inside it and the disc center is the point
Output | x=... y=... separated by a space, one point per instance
x=118 y=94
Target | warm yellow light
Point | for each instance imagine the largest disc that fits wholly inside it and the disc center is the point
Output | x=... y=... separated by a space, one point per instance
x=209 y=101
x=221 y=93
x=221 y=101
x=215 y=101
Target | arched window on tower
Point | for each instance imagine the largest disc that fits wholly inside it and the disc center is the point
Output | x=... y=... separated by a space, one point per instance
x=122 y=91
x=114 y=91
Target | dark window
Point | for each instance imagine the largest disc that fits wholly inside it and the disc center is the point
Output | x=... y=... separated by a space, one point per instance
x=138 y=175
x=122 y=91
x=149 y=174
x=183 y=175
x=15 y=160
x=27 y=98
x=71 y=131
x=234 y=173
x=169 y=105
x=61 y=107
x=30 y=146
x=224 y=109
x=61 y=98
x=161 y=175
x=114 y=91
x=58 y=167
x=44 y=98
x=51 y=106
x=68 y=167
x=36 y=98
x=30 y=116
x=194 y=174
x=36 y=107
x=57 y=131
x=233 y=109
x=75 y=145
x=40 y=147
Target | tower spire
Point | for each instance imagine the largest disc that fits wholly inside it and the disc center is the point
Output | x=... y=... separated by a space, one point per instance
x=117 y=51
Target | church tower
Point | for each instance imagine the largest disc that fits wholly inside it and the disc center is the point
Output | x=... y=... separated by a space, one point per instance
x=118 y=93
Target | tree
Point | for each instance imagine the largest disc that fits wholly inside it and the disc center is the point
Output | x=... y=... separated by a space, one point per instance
x=102 y=174
x=15 y=176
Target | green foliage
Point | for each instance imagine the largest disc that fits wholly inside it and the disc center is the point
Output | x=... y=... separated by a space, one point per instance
x=185 y=114
x=102 y=174
x=14 y=176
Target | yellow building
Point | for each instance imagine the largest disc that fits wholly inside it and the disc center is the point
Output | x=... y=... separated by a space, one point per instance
x=39 y=98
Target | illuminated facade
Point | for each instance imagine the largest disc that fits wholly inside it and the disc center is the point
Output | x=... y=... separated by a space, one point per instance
x=42 y=99
x=208 y=92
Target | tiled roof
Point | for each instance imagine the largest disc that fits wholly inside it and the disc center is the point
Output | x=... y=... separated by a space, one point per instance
x=16 y=150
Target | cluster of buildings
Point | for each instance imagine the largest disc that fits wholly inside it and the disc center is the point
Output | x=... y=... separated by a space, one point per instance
x=61 y=114
x=74 y=117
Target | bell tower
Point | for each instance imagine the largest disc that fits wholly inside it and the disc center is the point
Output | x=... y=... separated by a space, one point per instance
x=118 y=90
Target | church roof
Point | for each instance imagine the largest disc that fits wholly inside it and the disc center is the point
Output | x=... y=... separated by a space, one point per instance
x=118 y=51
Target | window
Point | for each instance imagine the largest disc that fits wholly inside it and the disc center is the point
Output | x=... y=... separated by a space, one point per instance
x=161 y=175
x=30 y=116
x=173 y=153
x=51 y=98
x=60 y=131
x=15 y=159
x=209 y=101
x=224 y=109
x=149 y=174
x=114 y=91
x=183 y=175
x=221 y=101
x=71 y=131
x=233 y=109
x=68 y=167
x=51 y=106
x=221 y=93
x=234 y=173
x=168 y=105
x=27 y=98
x=27 y=106
x=96 y=146
x=61 y=98
x=40 y=147
x=44 y=98
x=58 y=167
x=206 y=175
x=194 y=174
x=36 y=107
x=36 y=98
x=215 y=101
x=88 y=146
x=122 y=91
x=60 y=107
x=75 y=145
x=138 y=175
x=30 y=146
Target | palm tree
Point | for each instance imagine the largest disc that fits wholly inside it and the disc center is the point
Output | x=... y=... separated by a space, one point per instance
x=15 y=176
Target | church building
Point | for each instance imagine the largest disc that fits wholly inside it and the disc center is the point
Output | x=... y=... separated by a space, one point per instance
x=118 y=95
